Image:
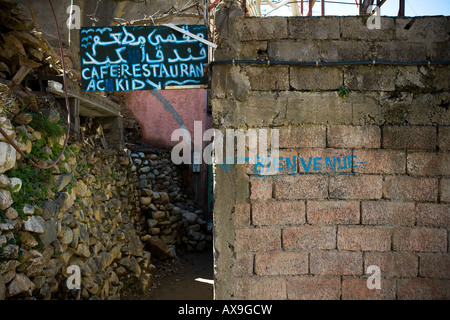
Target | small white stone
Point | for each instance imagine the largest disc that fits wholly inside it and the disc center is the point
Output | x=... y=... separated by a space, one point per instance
x=15 y=184
x=12 y=213
x=28 y=209
x=34 y=224
x=5 y=199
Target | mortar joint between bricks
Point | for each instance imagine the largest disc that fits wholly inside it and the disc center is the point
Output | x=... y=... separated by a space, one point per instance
x=336 y=238
x=272 y=183
x=254 y=265
x=363 y=263
x=306 y=212
x=353 y=154
x=328 y=188
x=360 y=213
x=251 y=214
x=309 y=263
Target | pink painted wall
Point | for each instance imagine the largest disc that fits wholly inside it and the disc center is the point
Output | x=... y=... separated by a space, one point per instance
x=157 y=124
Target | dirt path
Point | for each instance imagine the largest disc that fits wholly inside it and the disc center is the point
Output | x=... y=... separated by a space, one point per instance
x=175 y=279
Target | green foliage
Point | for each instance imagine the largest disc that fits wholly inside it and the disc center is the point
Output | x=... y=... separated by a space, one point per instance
x=343 y=92
x=15 y=239
x=20 y=257
x=73 y=149
x=16 y=187
x=56 y=150
x=83 y=166
x=34 y=187
x=36 y=150
x=47 y=128
x=36 y=183
x=70 y=187
x=23 y=137
x=63 y=170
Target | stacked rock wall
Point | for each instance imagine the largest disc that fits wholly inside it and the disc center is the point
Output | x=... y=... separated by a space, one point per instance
x=102 y=210
x=82 y=212
x=171 y=214
x=87 y=218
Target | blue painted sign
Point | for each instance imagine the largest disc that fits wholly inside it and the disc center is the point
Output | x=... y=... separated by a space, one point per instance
x=133 y=58
x=288 y=165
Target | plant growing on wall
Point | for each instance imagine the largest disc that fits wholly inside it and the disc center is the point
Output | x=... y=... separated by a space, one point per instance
x=37 y=184
x=35 y=187
x=343 y=92
x=49 y=129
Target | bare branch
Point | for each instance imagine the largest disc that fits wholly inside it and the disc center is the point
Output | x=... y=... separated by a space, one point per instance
x=159 y=20
x=167 y=16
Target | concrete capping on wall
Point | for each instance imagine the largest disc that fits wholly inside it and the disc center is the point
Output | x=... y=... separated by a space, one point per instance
x=337 y=39
x=312 y=233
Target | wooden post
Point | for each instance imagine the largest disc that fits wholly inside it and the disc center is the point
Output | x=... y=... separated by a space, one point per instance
x=244 y=6
x=311 y=5
x=401 y=10
x=74 y=41
x=74 y=104
x=20 y=75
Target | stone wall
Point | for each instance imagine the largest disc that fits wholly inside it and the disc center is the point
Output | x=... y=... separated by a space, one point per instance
x=312 y=230
x=83 y=211
x=172 y=217
x=105 y=211
x=86 y=216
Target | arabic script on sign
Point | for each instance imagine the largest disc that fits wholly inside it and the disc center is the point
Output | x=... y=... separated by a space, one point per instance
x=141 y=57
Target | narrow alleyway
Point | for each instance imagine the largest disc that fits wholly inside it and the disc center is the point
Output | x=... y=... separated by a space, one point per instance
x=175 y=279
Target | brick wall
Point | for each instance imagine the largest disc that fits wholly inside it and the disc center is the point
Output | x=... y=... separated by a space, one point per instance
x=311 y=233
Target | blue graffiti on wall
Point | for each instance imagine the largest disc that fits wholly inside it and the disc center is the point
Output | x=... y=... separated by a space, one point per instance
x=141 y=58
x=288 y=165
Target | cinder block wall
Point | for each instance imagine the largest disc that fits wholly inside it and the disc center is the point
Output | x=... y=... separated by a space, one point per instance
x=312 y=234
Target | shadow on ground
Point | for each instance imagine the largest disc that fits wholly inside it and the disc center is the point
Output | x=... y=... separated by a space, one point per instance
x=174 y=279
